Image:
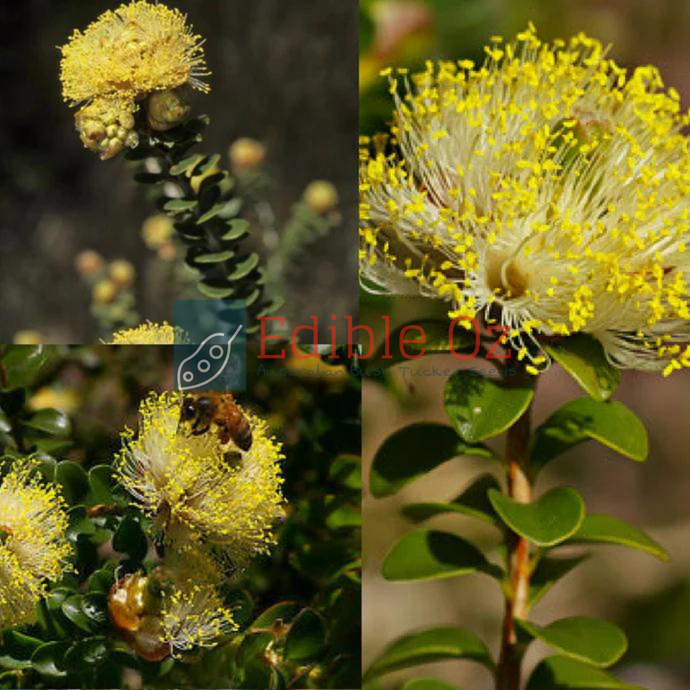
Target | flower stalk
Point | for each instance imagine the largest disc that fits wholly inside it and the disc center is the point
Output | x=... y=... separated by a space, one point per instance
x=518 y=487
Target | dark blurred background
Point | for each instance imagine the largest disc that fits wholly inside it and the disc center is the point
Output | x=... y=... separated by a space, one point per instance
x=284 y=73
x=649 y=599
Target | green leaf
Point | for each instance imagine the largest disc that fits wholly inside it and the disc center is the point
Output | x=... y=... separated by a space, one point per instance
x=95 y=607
x=432 y=555
x=307 y=637
x=604 y=529
x=610 y=423
x=583 y=357
x=347 y=470
x=428 y=684
x=48 y=659
x=21 y=364
x=244 y=268
x=186 y=165
x=480 y=408
x=436 y=337
x=86 y=654
x=552 y=519
x=103 y=579
x=215 y=292
x=74 y=612
x=411 y=452
x=548 y=572
x=130 y=539
x=73 y=480
x=473 y=502
x=16 y=650
x=208 y=164
x=593 y=641
x=561 y=673
x=238 y=229
x=214 y=258
x=100 y=485
x=284 y=611
x=222 y=208
x=180 y=205
x=428 y=646
x=51 y=422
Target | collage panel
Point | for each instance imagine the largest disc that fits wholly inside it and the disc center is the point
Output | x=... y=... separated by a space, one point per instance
x=180 y=150
x=158 y=538
x=523 y=227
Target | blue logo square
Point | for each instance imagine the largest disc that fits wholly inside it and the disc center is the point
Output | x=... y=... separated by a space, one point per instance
x=210 y=345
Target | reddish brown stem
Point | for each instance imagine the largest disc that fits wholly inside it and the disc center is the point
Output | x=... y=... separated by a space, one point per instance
x=509 y=670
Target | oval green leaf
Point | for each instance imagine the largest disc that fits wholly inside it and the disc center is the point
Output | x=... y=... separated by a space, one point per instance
x=428 y=684
x=562 y=673
x=215 y=292
x=552 y=519
x=473 y=502
x=604 y=529
x=610 y=423
x=583 y=357
x=130 y=539
x=73 y=479
x=244 y=268
x=411 y=452
x=22 y=363
x=51 y=422
x=428 y=646
x=593 y=641
x=216 y=257
x=433 y=555
x=307 y=637
x=480 y=408
x=548 y=572
x=48 y=659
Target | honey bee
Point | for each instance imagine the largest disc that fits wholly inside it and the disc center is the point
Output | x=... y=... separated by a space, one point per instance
x=202 y=410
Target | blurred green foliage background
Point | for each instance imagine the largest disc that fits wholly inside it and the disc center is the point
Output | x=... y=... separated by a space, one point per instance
x=650 y=600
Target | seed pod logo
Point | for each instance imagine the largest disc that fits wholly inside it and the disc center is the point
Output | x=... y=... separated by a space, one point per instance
x=209 y=363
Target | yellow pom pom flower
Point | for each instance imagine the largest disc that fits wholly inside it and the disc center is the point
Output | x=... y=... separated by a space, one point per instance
x=139 y=50
x=146 y=334
x=200 y=490
x=546 y=190
x=33 y=546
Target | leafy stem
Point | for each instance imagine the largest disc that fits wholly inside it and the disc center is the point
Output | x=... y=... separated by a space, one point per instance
x=508 y=671
x=201 y=199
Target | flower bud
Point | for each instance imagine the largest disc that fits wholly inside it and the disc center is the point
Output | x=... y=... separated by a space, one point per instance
x=157 y=230
x=106 y=126
x=122 y=273
x=88 y=262
x=104 y=291
x=321 y=196
x=167 y=109
x=134 y=609
x=246 y=154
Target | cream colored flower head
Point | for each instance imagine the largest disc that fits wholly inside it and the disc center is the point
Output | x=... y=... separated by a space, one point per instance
x=146 y=334
x=33 y=546
x=139 y=50
x=547 y=190
x=201 y=492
